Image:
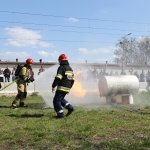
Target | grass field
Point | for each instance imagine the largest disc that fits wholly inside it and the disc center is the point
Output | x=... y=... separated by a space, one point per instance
x=99 y=128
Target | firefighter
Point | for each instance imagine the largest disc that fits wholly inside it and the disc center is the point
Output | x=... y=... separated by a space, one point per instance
x=25 y=76
x=64 y=81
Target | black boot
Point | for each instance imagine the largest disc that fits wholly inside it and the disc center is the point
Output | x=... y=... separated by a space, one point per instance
x=59 y=115
x=70 y=110
x=13 y=106
x=21 y=104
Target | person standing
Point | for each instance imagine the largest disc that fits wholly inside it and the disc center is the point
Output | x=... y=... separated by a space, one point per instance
x=7 y=73
x=64 y=81
x=25 y=76
x=41 y=70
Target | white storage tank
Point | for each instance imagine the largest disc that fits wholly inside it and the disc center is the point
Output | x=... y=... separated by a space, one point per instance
x=121 y=86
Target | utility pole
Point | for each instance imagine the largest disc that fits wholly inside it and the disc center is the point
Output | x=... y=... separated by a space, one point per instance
x=123 y=54
x=106 y=66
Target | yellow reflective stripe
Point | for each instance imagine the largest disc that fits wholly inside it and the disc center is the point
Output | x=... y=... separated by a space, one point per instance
x=69 y=73
x=61 y=88
x=59 y=76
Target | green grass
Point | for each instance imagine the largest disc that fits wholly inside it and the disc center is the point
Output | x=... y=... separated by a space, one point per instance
x=106 y=128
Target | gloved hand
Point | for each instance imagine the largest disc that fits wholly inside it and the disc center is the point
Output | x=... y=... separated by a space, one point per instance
x=31 y=79
x=27 y=80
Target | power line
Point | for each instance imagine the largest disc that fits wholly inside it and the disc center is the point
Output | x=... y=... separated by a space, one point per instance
x=82 y=18
x=57 y=25
x=52 y=40
x=54 y=25
x=5 y=38
x=66 y=31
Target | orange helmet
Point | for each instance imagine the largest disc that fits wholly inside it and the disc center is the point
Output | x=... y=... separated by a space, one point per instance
x=29 y=61
x=62 y=57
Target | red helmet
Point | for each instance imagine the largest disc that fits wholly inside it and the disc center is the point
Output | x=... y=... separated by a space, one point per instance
x=29 y=61
x=62 y=57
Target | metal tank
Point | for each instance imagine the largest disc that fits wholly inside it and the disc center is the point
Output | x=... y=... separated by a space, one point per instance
x=118 y=88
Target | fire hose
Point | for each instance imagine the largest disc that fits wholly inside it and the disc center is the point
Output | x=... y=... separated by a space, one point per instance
x=12 y=83
x=8 y=85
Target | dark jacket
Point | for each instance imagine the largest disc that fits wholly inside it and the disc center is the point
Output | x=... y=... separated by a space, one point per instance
x=7 y=72
x=64 y=78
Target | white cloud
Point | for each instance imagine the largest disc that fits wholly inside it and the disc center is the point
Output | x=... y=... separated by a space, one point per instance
x=45 y=44
x=83 y=50
x=54 y=54
x=21 y=37
x=43 y=53
x=99 y=55
x=72 y=19
x=50 y=55
x=13 y=55
x=86 y=51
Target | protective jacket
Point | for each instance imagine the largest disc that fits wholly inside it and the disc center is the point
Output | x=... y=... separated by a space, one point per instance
x=26 y=74
x=64 y=78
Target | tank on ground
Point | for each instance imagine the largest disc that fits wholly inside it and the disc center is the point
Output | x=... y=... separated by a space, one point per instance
x=118 y=88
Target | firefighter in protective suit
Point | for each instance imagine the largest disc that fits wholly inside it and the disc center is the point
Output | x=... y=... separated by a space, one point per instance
x=64 y=81
x=26 y=76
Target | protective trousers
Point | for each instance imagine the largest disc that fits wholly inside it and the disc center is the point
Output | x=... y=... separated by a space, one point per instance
x=22 y=92
x=60 y=102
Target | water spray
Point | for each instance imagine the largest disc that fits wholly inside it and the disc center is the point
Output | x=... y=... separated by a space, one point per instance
x=84 y=91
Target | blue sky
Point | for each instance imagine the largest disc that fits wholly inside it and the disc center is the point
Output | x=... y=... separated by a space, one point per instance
x=85 y=30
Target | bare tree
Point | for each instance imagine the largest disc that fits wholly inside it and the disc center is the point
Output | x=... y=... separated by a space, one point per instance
x=144 y=50
x=133 y=51
x=124 y=51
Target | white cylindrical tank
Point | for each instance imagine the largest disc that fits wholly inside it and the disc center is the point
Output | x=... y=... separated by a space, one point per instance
x=116 y=85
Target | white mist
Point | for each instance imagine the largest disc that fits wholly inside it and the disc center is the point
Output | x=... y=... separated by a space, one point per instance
x=84 y=92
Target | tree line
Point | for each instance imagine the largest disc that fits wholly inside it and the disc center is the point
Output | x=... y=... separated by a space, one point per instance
x=132 y=51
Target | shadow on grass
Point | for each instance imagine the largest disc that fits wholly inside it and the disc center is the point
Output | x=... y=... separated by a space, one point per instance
x=33 y=116
x=27 y=115
x=4 y=106
x=30 y=106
